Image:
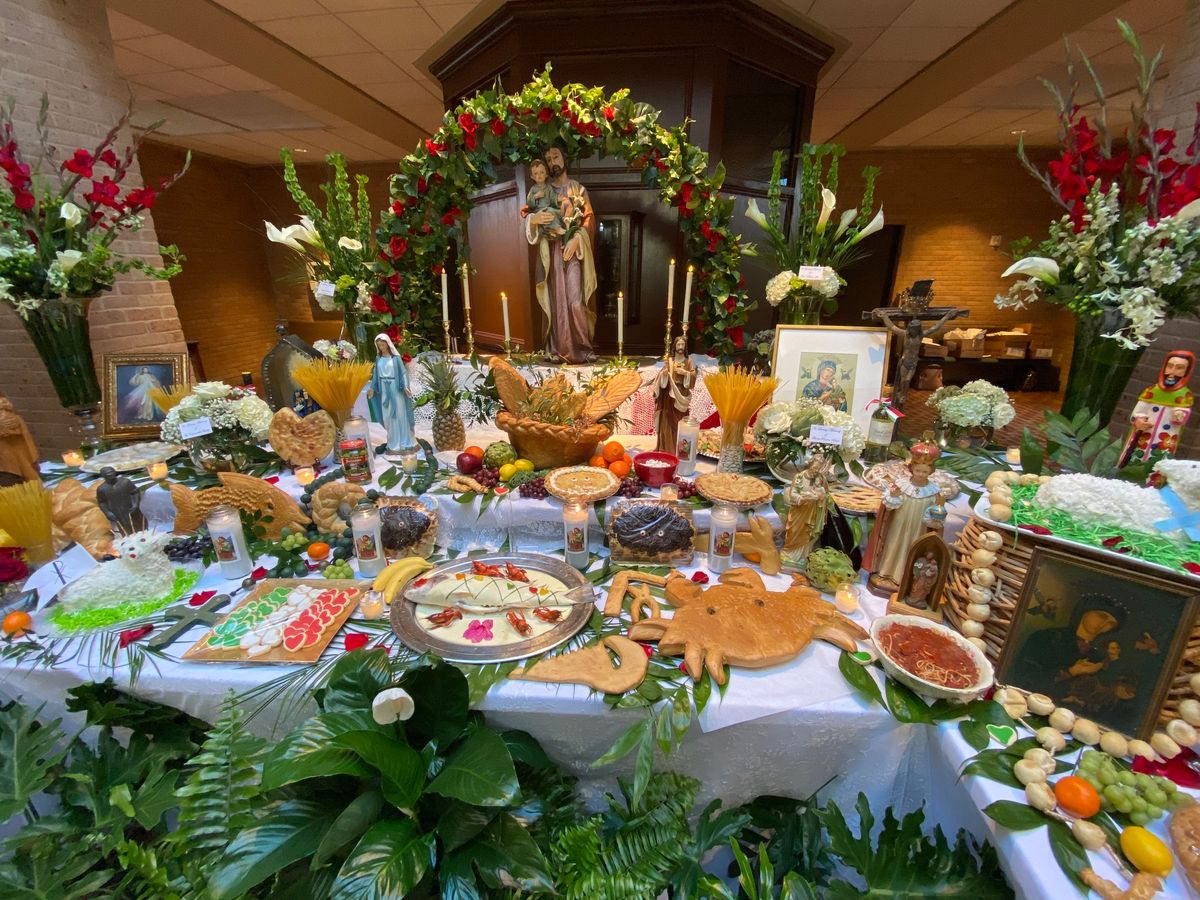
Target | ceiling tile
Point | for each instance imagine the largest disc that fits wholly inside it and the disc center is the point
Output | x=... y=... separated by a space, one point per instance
x=175 y=121
x=866 y=74
x=317 y=35
x=925 y=13
x=171 y=50
x=1143 y=15
x=233 y=79
x=828 y=122
x=932 y=121
x=249 y=111
x=178 y=84
x=121 y=27
x=399 y=95
x=265 y=10
x=130 y=62
x=392 y=30
x=851 y=98
x=449 y=14
x=340 y=6
x=289 y=99
x=836 y=14
x=914 y=43
x=360 y=68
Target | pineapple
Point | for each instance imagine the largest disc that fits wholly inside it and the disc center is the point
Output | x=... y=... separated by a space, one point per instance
x=438 y=375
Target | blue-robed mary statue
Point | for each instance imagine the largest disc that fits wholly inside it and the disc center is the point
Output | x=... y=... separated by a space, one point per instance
x=390 y=390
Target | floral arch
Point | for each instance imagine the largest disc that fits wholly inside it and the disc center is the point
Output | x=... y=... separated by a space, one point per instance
x=430 y=195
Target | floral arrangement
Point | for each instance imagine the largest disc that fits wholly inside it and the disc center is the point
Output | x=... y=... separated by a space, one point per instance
x=430 y=195
x=237 y=416
x=977 y=404
x=337 y=245
x=814 y=244
x=783 y=428
x=336 y=351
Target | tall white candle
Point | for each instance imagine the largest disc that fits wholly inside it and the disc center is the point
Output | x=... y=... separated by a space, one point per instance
x=445 y=298
x=504 y=310
x=620 y=319
x=466 y=288
x=687 y=293
x=670 y=288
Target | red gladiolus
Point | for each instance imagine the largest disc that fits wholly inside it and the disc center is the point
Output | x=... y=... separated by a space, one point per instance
x=610 y=113
x=379 y=305
x=356 y=641
x=397 y=247
x=140 y=198
x=451 y=214
x=103 y=193
x=109 y=158
x=498 y=127
x=80 y=163
x=545 y=115
x=23 y=200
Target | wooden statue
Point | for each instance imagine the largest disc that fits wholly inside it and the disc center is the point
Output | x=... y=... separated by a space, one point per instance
x=673 y=396
x=18 y=452
x=925 y=573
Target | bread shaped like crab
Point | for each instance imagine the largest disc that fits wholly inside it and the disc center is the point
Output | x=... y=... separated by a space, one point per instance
x=741 y=623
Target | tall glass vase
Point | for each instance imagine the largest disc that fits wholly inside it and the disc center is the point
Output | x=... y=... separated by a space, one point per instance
x=801 y=307
x=59 y=330
x=1100 y=367
x=359 y=331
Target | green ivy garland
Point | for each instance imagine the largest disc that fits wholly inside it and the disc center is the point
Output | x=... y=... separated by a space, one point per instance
x=431 y=196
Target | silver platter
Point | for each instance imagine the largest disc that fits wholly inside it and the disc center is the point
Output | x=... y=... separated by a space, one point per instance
x=406 y=623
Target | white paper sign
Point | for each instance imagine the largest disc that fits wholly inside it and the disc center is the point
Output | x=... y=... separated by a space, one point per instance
x=194 y=428
x=325 y=288
x=811 y=273
x=825 y=434
x=55 y=575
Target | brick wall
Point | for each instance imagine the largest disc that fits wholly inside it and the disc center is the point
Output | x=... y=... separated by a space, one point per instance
x=62 y=48
x=950 y=202
x=225 y=296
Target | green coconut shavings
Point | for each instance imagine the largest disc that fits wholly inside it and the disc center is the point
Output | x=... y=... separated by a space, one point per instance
x=105 y=617
x=1153 y=548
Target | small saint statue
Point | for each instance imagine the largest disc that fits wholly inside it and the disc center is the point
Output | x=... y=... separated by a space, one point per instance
x=924 y=577
x=390 y=388
x=18 y=452
x=120 y=501
x=1161 y=411
x=673 y=395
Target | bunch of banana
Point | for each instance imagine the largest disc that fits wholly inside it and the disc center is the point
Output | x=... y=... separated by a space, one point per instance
x=392 y=580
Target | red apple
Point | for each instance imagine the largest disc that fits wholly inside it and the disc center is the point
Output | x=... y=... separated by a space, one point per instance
x=468 y=463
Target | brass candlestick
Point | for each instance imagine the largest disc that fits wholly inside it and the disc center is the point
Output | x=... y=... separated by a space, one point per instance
x=470 y=333
x=446 y=334
x=667 y=339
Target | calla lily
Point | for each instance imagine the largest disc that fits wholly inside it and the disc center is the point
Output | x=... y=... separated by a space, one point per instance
x=1190 y=211
x=828 y=202
x=1039 y=267
x=286 y=236
x=67 y=259
x=72 y=215
x=392 y=705
x=308 y=233
x=754 y=214
x=349 y=243
x=847 y=217
x=873 y=226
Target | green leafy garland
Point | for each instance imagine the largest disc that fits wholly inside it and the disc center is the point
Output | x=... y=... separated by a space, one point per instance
x=431 y=194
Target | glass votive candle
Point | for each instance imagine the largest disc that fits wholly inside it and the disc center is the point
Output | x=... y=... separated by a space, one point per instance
x=668 y=492
x=305 y=474
x=371 y=606
x=845 y=598
x=72 y=458
x=722 y=528
x=229 y=542
x=685 y=447
x=368 y=543
x=1013 y=456
x=409 y=459
x=575 y=534
x=157 y=471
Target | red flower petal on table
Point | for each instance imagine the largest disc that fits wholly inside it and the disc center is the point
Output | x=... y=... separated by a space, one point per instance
x=312 y=566
x=683 y=668
x=1192 y=568
x=419 y=582
x=1035 y=529
x=134 y=634
x=700 y=577
x=648 y=649
x=201 y=597
x=1178 y=769
x=356 y=641
x=1113 y=541
x=259 y=574
x=272 y=479
x=13 y=569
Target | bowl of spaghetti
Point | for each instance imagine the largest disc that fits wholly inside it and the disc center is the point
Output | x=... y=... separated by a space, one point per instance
x=933 y=660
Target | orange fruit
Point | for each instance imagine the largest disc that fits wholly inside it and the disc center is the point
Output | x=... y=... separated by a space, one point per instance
x=598 y=461
x=475 y=451
x=318 y=550
x=613 y=451
x=620 y=468
x=1077 y=797
x=16 y=623
x=629 y=460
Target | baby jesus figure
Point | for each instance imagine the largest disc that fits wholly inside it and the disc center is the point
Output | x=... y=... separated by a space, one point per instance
x=542 y=196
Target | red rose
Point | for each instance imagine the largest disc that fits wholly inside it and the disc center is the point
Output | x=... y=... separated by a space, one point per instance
x=610 y=113
x=498 y=127
x=393 y=331
x=467 y=122
x=451 y=214
x=397 y=208
x=140 y=198
x=422 y=184
x=379 y=304
x=397 y=247
x=393 y=282
x=432 y=147
x=80 y=163
x=406 y=358
x=545 y=115
x=685 y=193
x=13 y=568
x=410 y=202
x=730 y=304
x=736 y=335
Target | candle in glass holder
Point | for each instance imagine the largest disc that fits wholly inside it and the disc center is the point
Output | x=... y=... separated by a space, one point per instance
x=575 y=534
x=305 y=474
x=1013 y=456
x=722 y=528
x=157 y=470
x=668 y=492
x=368 y=543
x=72 y=458
x=371 y=606
x=685 y=448
x=229 y=542
x=409 y=459
x=358 y=427
x=845 y=598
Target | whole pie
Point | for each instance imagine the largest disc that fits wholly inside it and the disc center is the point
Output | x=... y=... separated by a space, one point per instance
x=582 y=484
x=744 y=491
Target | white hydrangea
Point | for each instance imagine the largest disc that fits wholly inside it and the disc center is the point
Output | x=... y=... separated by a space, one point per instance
x=211 y=390
x=779 y=287
x=253 y=414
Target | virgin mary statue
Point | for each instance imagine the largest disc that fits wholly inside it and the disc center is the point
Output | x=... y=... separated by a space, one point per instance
x=390 y=389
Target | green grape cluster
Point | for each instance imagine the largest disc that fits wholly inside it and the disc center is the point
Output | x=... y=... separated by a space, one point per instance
x=339 y=568
x=294 y=540
x=1141 y=797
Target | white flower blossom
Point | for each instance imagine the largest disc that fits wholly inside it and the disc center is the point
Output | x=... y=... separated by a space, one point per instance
x=349 y=243
x=211 y=390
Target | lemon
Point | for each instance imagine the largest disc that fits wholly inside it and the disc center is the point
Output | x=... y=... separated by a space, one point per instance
x=523 y=465
x=507 y=471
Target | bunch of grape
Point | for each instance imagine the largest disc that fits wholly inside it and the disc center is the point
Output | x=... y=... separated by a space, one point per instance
x=489 y=478
x=185 y=549
x=631 y=486
x=339 y=568
x=1141 y=797
x=686 y=488
x=535 y=488
x=294 y=541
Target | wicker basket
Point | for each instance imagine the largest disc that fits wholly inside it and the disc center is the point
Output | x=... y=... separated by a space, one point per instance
x=551 y=446
x=1011 y=567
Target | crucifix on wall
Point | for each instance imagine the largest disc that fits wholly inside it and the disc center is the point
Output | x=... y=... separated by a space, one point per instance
x=907 y=320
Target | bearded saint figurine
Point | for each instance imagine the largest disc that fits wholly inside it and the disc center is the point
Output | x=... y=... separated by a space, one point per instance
x=673 y=396
x=1161 y=411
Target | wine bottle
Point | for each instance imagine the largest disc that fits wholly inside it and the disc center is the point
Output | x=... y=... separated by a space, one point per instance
x=880 y=430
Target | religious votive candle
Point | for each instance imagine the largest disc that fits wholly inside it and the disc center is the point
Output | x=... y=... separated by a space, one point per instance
x=72 y=458
x=409 y=459
x=722 y=528
x=157 y=470
x=575 y=534
x=668 y=492
x=358 y=427
x=305 y=474
x=504 y=311
x=229 y=542
x=686 y=438
x=371 y=606
x=845 y=598
x=368 y=542
x=1013 y=456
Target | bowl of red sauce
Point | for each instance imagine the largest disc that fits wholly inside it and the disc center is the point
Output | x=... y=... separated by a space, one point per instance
x=933 y=660
x=655 y=467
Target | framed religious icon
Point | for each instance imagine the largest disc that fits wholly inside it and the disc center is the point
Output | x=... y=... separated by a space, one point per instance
x=130 y=380
x=835 y=365
x=1103 y=640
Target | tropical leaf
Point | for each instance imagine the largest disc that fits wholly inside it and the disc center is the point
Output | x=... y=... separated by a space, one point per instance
x=29 y=751
x=311 y=751
x=441 y=699
x=400 y=767
x=350 y=825
x=289 y=831
x=389 y=861
x=480 y=772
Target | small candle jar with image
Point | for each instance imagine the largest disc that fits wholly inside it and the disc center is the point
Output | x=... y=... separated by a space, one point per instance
x=229 y=542
x=368 y=543
x=722 y=529
x=575 y=534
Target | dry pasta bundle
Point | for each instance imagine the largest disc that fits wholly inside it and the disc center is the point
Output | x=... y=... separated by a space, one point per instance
x=738 y=393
